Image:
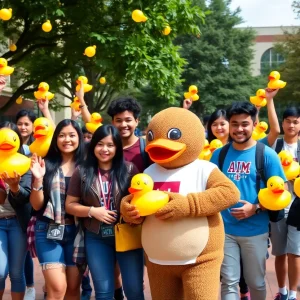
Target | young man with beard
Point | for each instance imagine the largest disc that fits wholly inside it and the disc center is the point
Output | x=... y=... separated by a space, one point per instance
x=285 y=235
x=246 y=224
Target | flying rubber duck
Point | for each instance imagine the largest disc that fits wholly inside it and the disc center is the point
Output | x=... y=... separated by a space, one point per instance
x=274 y=196
x=192 y=94
x=259 y=131
x=275 y=82
x=5 y=14
x=290 y=167
x=10 y=160
x=86 y=87
x=43 y=92
x=260 y=99
x=75 y=104
x=94 y=123
x=138 y=16
x=43 y=133
x=205 y=153
x=4 y=68
x=146 y=200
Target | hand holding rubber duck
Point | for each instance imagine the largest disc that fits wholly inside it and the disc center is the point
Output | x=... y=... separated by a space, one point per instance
x=43 y=92
x=4 y=68
x=275 y=82
x=192 y=94
x=86 y=87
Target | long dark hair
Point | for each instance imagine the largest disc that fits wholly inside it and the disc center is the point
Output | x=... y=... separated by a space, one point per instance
x=53 y=159
x=219 y=113
x=119 y=172
x=14 y=127
x=31 y=116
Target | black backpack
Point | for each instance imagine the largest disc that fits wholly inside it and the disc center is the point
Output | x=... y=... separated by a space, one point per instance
x=145 y=156
x=274 y=216
x=279 y=146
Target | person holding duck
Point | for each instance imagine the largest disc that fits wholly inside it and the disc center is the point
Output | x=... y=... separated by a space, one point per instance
x=183 y=240
x=95 y=193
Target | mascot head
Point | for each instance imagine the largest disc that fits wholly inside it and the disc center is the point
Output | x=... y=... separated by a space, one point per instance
x=175 y=137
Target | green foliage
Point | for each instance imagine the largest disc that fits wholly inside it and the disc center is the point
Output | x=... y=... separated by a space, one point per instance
x=128 y=53
x=219 y=44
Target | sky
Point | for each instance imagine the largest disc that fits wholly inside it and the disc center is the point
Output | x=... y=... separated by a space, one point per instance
x=266 y=13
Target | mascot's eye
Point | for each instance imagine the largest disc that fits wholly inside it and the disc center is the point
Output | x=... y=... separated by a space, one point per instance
x=174 y=134
x=150 y=136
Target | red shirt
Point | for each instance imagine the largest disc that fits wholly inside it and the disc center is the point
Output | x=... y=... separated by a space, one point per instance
x=133 y=154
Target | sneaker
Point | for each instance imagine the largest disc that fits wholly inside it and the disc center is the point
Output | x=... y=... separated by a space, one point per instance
x=279 y=296
x=30 y=293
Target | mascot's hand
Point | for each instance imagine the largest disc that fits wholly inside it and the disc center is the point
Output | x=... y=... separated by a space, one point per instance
x=177 y=208
x=129 y=212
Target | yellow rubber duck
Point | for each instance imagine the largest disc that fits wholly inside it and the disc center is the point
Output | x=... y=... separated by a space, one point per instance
x=10 y=160
x=4 y=68
x=274 y=196
x=5 y=14
x=260 y=98
x=192 y=93
x=259 y=131
x=94 y=123
x=146 y=200
x=75 y=104
x=43 y=92
x=275 y=82
x=290 y=167
x=86 y=87
x=43 y=133
x=297 y=186
x=205 y=153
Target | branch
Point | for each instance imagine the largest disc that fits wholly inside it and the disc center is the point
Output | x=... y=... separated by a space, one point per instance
x=28 y=51
x=65 y=95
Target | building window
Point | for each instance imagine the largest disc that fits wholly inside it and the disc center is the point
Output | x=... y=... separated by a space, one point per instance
x=270 y=61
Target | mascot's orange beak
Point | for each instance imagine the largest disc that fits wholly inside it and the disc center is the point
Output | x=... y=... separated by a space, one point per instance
x=163 y=150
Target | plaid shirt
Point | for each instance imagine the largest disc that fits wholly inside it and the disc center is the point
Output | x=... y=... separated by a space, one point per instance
x=31 y=237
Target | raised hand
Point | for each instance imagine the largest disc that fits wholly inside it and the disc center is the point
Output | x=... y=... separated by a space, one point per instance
x=270 y=93
x=37 y=166
x=80 y=93
x=2 y=82
x=75 y=114
x=43 y=104
x=12 y=182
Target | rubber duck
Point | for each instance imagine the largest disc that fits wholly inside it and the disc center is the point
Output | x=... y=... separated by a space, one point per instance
x=145 y=199
x=47 y=26
x=138 y=16
x=75 y=104
x=13 y=47
x=274 y=196
x=86 y=87
x=166 y=30
x=43 y=92
x=260 y=99
x=275 y=82
x=43 y=133
x=259 y=131
x=297 y=187
x=205 y=153
x=102 y=80
x=4 y=68
x=90 y=51
x=5 y=14
x=10 y=160
x=94 y=123
x=290 y=167
x=192 y=93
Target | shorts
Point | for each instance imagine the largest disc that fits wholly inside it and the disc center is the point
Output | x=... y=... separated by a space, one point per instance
x=285 y=238
x=53 y=251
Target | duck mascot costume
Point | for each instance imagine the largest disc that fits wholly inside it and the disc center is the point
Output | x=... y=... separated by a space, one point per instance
x=184 y=240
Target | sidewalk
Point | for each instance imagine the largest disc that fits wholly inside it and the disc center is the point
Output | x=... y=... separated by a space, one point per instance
x=270 y=280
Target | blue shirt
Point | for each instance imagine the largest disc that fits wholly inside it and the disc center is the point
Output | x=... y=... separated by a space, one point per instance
x=239 y=166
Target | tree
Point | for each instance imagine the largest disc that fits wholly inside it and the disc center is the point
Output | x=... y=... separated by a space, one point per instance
x=127 y=52
x=219 y=59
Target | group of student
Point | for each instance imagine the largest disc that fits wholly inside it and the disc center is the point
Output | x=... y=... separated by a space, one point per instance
x=85 y=176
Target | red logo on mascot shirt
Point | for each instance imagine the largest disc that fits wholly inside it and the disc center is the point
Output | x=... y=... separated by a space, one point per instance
x=172 y=186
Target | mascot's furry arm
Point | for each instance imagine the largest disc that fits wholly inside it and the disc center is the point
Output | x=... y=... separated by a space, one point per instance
x=220 y=194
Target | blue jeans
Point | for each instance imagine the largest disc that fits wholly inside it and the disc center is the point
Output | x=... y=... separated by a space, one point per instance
x=12 y=254
x=101 y=257
x=53 y=251
x=29 y=270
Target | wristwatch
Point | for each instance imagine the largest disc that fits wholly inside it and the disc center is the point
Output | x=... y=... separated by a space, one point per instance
x=258 y=209
x=37 y=189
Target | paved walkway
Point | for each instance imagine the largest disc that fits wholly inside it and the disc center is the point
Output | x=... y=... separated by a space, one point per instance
x=271 y=282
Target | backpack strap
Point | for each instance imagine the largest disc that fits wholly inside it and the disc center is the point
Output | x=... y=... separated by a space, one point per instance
x=279 y=145
x=260 y=164
x=144 y=154
x=222 y=156
x=298 y=151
